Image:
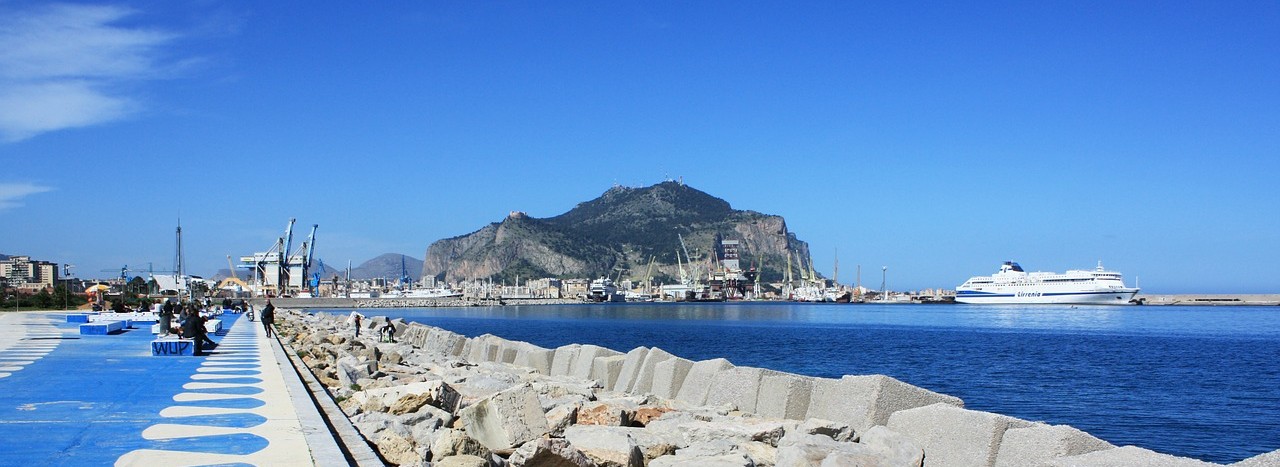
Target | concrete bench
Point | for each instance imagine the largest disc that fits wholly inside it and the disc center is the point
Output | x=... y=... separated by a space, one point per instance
x=172 y=347
x=103 y=328
x=77 y=317
x=145 y=316
x=213 y=326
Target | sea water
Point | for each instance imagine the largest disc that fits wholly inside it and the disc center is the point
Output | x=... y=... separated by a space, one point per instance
x=1201 y=382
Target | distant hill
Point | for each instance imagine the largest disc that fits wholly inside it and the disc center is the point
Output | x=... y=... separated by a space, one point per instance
x=386 y=265
x=619 y=231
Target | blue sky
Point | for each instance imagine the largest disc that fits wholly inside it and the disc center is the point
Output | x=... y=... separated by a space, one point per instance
x=935 y=139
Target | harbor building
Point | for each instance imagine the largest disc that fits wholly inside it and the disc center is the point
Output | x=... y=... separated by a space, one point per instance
x=27 y=275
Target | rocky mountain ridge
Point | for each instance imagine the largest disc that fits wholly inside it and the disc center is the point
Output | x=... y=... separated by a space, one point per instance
x=618 y=234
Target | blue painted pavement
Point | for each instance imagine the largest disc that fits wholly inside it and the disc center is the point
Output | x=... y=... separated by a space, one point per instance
x=71 y=399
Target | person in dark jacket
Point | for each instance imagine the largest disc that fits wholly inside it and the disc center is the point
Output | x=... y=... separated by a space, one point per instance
x=268 y=317
x=191 y=329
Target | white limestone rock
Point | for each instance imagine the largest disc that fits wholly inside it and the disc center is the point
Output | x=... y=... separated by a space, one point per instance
x=725 y=460
x=549 y=452
x=606 y=446
x=831 y=429
x=506 y=419
x=735 y=430
x=450 y=442
x=894 y=447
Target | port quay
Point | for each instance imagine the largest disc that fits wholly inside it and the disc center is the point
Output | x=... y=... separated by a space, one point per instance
x=99 y=390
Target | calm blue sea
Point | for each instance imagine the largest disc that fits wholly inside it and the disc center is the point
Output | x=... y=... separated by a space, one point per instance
x=1200 y=382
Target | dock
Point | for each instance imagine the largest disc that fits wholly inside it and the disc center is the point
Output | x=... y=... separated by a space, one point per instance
x=1211 y=299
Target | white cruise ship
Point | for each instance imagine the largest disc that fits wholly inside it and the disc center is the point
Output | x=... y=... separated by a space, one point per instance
x=1012 y=285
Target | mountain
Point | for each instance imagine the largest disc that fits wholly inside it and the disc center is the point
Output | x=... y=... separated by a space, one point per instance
x=618 y=232
x=386 y=266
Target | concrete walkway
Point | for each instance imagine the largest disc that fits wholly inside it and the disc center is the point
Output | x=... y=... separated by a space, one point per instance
x=71 y=399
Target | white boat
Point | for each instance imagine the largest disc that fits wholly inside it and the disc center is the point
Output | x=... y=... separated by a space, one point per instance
x=1012 y=285
x=603 y=290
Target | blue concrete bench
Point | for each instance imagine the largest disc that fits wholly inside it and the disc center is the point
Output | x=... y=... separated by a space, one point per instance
x=213 y=326
x=103 y=328
x=77 y=317
x=172 y=347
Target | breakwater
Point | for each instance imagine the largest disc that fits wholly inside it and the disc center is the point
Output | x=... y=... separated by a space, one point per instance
x=652 y=407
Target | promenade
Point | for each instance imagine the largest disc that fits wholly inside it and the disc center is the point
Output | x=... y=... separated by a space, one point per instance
x=71 y=399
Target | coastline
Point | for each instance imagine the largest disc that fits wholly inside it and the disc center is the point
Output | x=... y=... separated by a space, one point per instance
x=374 y=303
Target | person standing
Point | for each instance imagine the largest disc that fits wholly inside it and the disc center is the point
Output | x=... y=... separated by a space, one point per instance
x=355 y=319
x=166 y=317
x=268 y=316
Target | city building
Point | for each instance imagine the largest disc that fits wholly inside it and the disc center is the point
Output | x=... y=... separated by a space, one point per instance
x=27 y=275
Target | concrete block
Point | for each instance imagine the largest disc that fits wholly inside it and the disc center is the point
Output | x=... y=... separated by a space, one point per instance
x=535 y=357
x=697 y=383
x=400 y=326
x=1124 y=456
x=506 y=419
x=643 y=383
x=867 y=401
x=669 y=376
x=172 y=347
x=562 y=361
x=605 y=370
x=442 y=342
x=630 y=369
x=784 y=396
x=484 y=348
x=739 y=386
x=1266 y=459
x=952 y=436
x=1038 y=443
x=77 y=317
x=101 y=328
x=213 y=326
x=582 y=366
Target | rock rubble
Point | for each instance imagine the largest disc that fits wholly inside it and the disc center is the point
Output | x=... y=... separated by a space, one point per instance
x=437 y=398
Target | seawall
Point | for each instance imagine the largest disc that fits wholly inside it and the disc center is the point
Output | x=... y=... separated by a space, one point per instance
x=1212 y=299
x=504 y=402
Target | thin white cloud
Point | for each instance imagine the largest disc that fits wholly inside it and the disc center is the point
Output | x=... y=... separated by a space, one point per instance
x=11 y=194
x=63 y=66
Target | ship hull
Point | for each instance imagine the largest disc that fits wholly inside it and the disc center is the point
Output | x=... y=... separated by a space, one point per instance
x=1100 y=297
